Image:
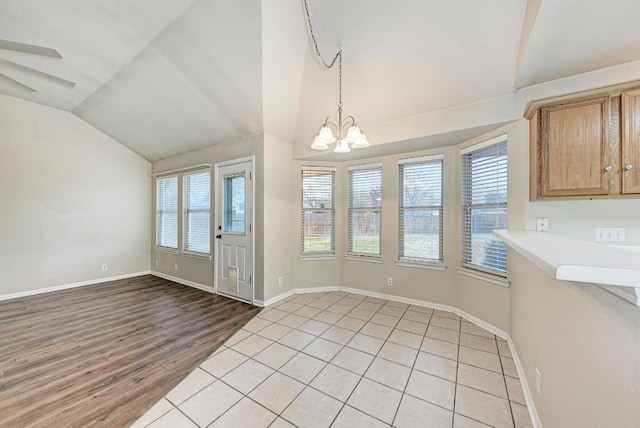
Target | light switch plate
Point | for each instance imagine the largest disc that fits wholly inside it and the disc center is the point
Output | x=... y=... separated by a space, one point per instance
x=610 y=234
x=542 y=224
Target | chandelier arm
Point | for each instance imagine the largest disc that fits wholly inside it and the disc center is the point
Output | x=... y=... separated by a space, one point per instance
x=315 y=42
x=349 y=120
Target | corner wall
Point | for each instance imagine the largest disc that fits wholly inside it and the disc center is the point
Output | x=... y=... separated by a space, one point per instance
x=586 y=344
x=73 y=199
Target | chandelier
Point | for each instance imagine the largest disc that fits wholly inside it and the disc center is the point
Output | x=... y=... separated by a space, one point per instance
x=345 y=131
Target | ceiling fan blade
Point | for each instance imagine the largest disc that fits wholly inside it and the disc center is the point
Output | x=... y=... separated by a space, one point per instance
x=33 y=71
x=15 y=83
x=29 y=49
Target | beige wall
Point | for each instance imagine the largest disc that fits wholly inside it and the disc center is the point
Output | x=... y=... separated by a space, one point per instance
x=196 y=269
x=279 y=235
x=586 y=344
x=412 y=282
x=72 y=199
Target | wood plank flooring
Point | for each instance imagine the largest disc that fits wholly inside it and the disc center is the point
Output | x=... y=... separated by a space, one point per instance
x=101 y=355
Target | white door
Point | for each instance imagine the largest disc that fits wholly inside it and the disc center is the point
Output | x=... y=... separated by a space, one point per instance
x=234 y=217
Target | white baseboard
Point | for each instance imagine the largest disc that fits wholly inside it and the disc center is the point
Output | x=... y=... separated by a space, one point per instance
x=72 y=285
x=286 y=294
x=183 y=281
x=489 y=327
x=531 y=406
x=399 y=299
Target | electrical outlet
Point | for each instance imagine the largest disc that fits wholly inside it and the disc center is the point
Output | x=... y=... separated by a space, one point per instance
x=538 y=381
x=542 y=224
x=105 y=267
x=389 y=282
x=280 y=281
x=610 y=234
x=156 y=262
x=175 y=266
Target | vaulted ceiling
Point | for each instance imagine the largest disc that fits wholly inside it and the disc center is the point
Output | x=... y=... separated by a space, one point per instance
x=166 y=77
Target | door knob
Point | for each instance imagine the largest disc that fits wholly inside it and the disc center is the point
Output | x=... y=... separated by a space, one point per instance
x=218 y=236
x=628 y=166
x=608 y=168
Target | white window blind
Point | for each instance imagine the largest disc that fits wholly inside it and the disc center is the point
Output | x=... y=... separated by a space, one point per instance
x=365 y=210
x=167 y=212
x=484 y=207
x=420 y=210
x=318 y=210
x=197 y=212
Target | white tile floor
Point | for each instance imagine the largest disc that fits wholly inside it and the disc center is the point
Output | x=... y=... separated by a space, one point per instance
x=344 y=360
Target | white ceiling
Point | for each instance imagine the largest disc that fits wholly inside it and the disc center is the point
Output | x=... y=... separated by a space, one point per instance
x=168 y=77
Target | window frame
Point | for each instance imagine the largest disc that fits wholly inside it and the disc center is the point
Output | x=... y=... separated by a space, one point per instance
x=467 y=206
x=350 y=211
x=158 y=245
x=325 y=253
x=402 y=208
x=185 y=212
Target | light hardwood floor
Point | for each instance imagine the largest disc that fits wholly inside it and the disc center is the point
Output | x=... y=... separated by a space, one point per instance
x=101 y=355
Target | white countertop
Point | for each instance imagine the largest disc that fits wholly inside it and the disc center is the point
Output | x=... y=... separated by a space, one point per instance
x=582 y=261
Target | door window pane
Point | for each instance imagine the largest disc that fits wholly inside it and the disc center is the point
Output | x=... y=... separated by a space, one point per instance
x=234 y=203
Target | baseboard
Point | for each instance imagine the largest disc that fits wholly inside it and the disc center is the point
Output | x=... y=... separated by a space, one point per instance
x=72 y=285
x=183 y=281
x=288 y=293
x=399 y=299
x=531 y=406
x=489 y=327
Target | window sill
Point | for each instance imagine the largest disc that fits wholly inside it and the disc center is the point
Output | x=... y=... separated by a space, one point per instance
x=167 y=250
x=197 y=255
x=487 y=277
x=317 y=257
x=421 y=265
x=365 y=259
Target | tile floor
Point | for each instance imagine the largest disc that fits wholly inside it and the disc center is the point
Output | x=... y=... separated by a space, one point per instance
x=345 y=360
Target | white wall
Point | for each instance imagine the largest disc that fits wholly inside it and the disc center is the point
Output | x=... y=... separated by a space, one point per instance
x=72 y=199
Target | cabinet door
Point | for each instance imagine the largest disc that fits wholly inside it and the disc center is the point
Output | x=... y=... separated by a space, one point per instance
x=574 y=149
x=630 y=159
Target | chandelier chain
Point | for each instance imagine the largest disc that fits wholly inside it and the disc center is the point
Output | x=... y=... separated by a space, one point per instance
x=330 y=65
x=315 y=42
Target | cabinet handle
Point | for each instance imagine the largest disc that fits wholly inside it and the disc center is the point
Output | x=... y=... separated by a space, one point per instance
x=628 y=166
x=608 y=168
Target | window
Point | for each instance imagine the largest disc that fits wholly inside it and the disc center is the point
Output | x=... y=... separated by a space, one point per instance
x=318 y=210
x=365 y=210
x=167 y=212
x=484 y=205
x=197 y=212
x=420 y=209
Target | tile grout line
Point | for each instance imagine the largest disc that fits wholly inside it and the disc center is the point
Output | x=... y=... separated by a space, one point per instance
x=404 y=390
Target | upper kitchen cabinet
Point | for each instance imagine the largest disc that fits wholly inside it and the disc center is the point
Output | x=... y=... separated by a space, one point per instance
x=631 y=142
x=586 y=145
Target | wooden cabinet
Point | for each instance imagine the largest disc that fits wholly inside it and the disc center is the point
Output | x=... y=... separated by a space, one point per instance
x=586 y=145
x=630 y=165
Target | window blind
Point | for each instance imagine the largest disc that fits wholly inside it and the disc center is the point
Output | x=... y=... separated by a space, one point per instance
x=420 y=210
x=197 y=212
x=167 y=212
x=365 y=210
x=484 y=207
x=318 y=210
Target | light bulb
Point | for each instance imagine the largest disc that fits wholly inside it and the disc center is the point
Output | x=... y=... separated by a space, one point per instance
x=342 y=147
x=318 y=144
